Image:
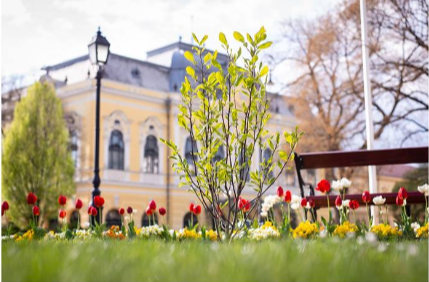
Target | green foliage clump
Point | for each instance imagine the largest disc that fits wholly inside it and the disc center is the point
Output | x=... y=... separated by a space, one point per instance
x=36 y=156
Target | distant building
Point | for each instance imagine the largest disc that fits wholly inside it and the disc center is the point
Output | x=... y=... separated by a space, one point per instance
x=139 y=102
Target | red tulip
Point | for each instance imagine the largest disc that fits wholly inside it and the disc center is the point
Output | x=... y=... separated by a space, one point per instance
x=4 y=207
x=399 y=201
x=36 y=210
x=197 y=210
x=280 y=191
x=129 y=210
x=79 y=204
x=98 y=201
x=323 y=186
x=149 y=211
x=191 y=207
x=366 y=197
x=243 y=205
x=162 y=211
x=62 y=200
x=62 y=213
x=402 y=193
x=31 y=199
x=152 y=205
x=353 y=204
x=303 y=202
x=312 y=203
x=338 y=201
x=288 y=196
x=121 y=211
x=92 y=211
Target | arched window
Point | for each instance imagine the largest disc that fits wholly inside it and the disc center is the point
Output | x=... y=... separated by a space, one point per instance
x=188 y=150
x=189 y=217
x=145 y=220
x=244 y=171
x=113 y=218
x=151 y=154
x=265 y=157
x=74 y=147
x=73 y=219
x=220 y=154
x=116 y=150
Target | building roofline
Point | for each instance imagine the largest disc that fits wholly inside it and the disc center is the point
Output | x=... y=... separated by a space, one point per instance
x=85 y=57
x=178 y=45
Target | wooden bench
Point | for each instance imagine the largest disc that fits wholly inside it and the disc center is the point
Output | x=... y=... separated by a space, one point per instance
x=355 y=159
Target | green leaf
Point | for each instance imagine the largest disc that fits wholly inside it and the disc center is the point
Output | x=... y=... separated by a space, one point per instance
x=188 y=55
x=195 y=38
x=264 y=71
x=238 y=36
x=190 y=70
x=222 y=38
x=283 y=155
x=204 y=39
x=265 y=45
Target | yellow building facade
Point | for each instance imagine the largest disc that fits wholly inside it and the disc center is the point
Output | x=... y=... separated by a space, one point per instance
x=139 y=105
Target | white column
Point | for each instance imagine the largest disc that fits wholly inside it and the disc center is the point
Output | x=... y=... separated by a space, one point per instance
x=368 y=102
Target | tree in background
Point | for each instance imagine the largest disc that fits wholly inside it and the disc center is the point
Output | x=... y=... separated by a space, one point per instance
x=328 y=87
x=36 y=157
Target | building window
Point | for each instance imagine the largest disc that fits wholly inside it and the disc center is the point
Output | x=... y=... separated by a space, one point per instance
x=74 y=216
x=189 y=146
x=151 y=154
x=188 y=219
x=266 y=155
x=220 y=154
x=113 y=218
x=74 y=147
x=244 y=171
x=146 y=222
x=116 y=151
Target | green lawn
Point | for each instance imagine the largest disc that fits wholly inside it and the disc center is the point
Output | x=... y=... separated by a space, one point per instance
x=287 y=260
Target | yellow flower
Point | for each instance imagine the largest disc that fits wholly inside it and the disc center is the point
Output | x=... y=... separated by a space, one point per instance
x=212 y=235
x=422 y=232
x=384 y=230
x=137 y=230
x=305 y=230
x=343 y=229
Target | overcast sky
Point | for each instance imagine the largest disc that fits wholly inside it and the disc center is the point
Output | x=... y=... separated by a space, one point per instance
x=46 y=32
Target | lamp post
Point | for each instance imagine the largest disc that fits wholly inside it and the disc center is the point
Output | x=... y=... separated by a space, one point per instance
x=99 y=52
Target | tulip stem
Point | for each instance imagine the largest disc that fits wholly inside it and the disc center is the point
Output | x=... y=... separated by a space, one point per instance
x=386 y=215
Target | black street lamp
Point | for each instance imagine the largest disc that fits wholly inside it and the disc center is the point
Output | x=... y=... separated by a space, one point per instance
x=99 y=52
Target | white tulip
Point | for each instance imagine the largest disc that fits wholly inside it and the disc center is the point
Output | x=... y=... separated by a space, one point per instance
x=346 y=203
x=424 y=189
x=134 y=211
x=264 y=214
x=337 y=185
x=295 y=202
x=379 y=200
x=346 y=183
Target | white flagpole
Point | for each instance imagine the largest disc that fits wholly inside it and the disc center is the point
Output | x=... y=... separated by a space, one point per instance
x=368 y=102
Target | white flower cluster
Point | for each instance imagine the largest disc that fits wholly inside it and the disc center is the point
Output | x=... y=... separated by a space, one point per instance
x=84 y=234
x=5 y=238
x=339 y=185
x=424 y=189
x=51 y=235
x=268 y=203
x=263 y=233
x=415 y=226
x=150 y=230
x=295 y=202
